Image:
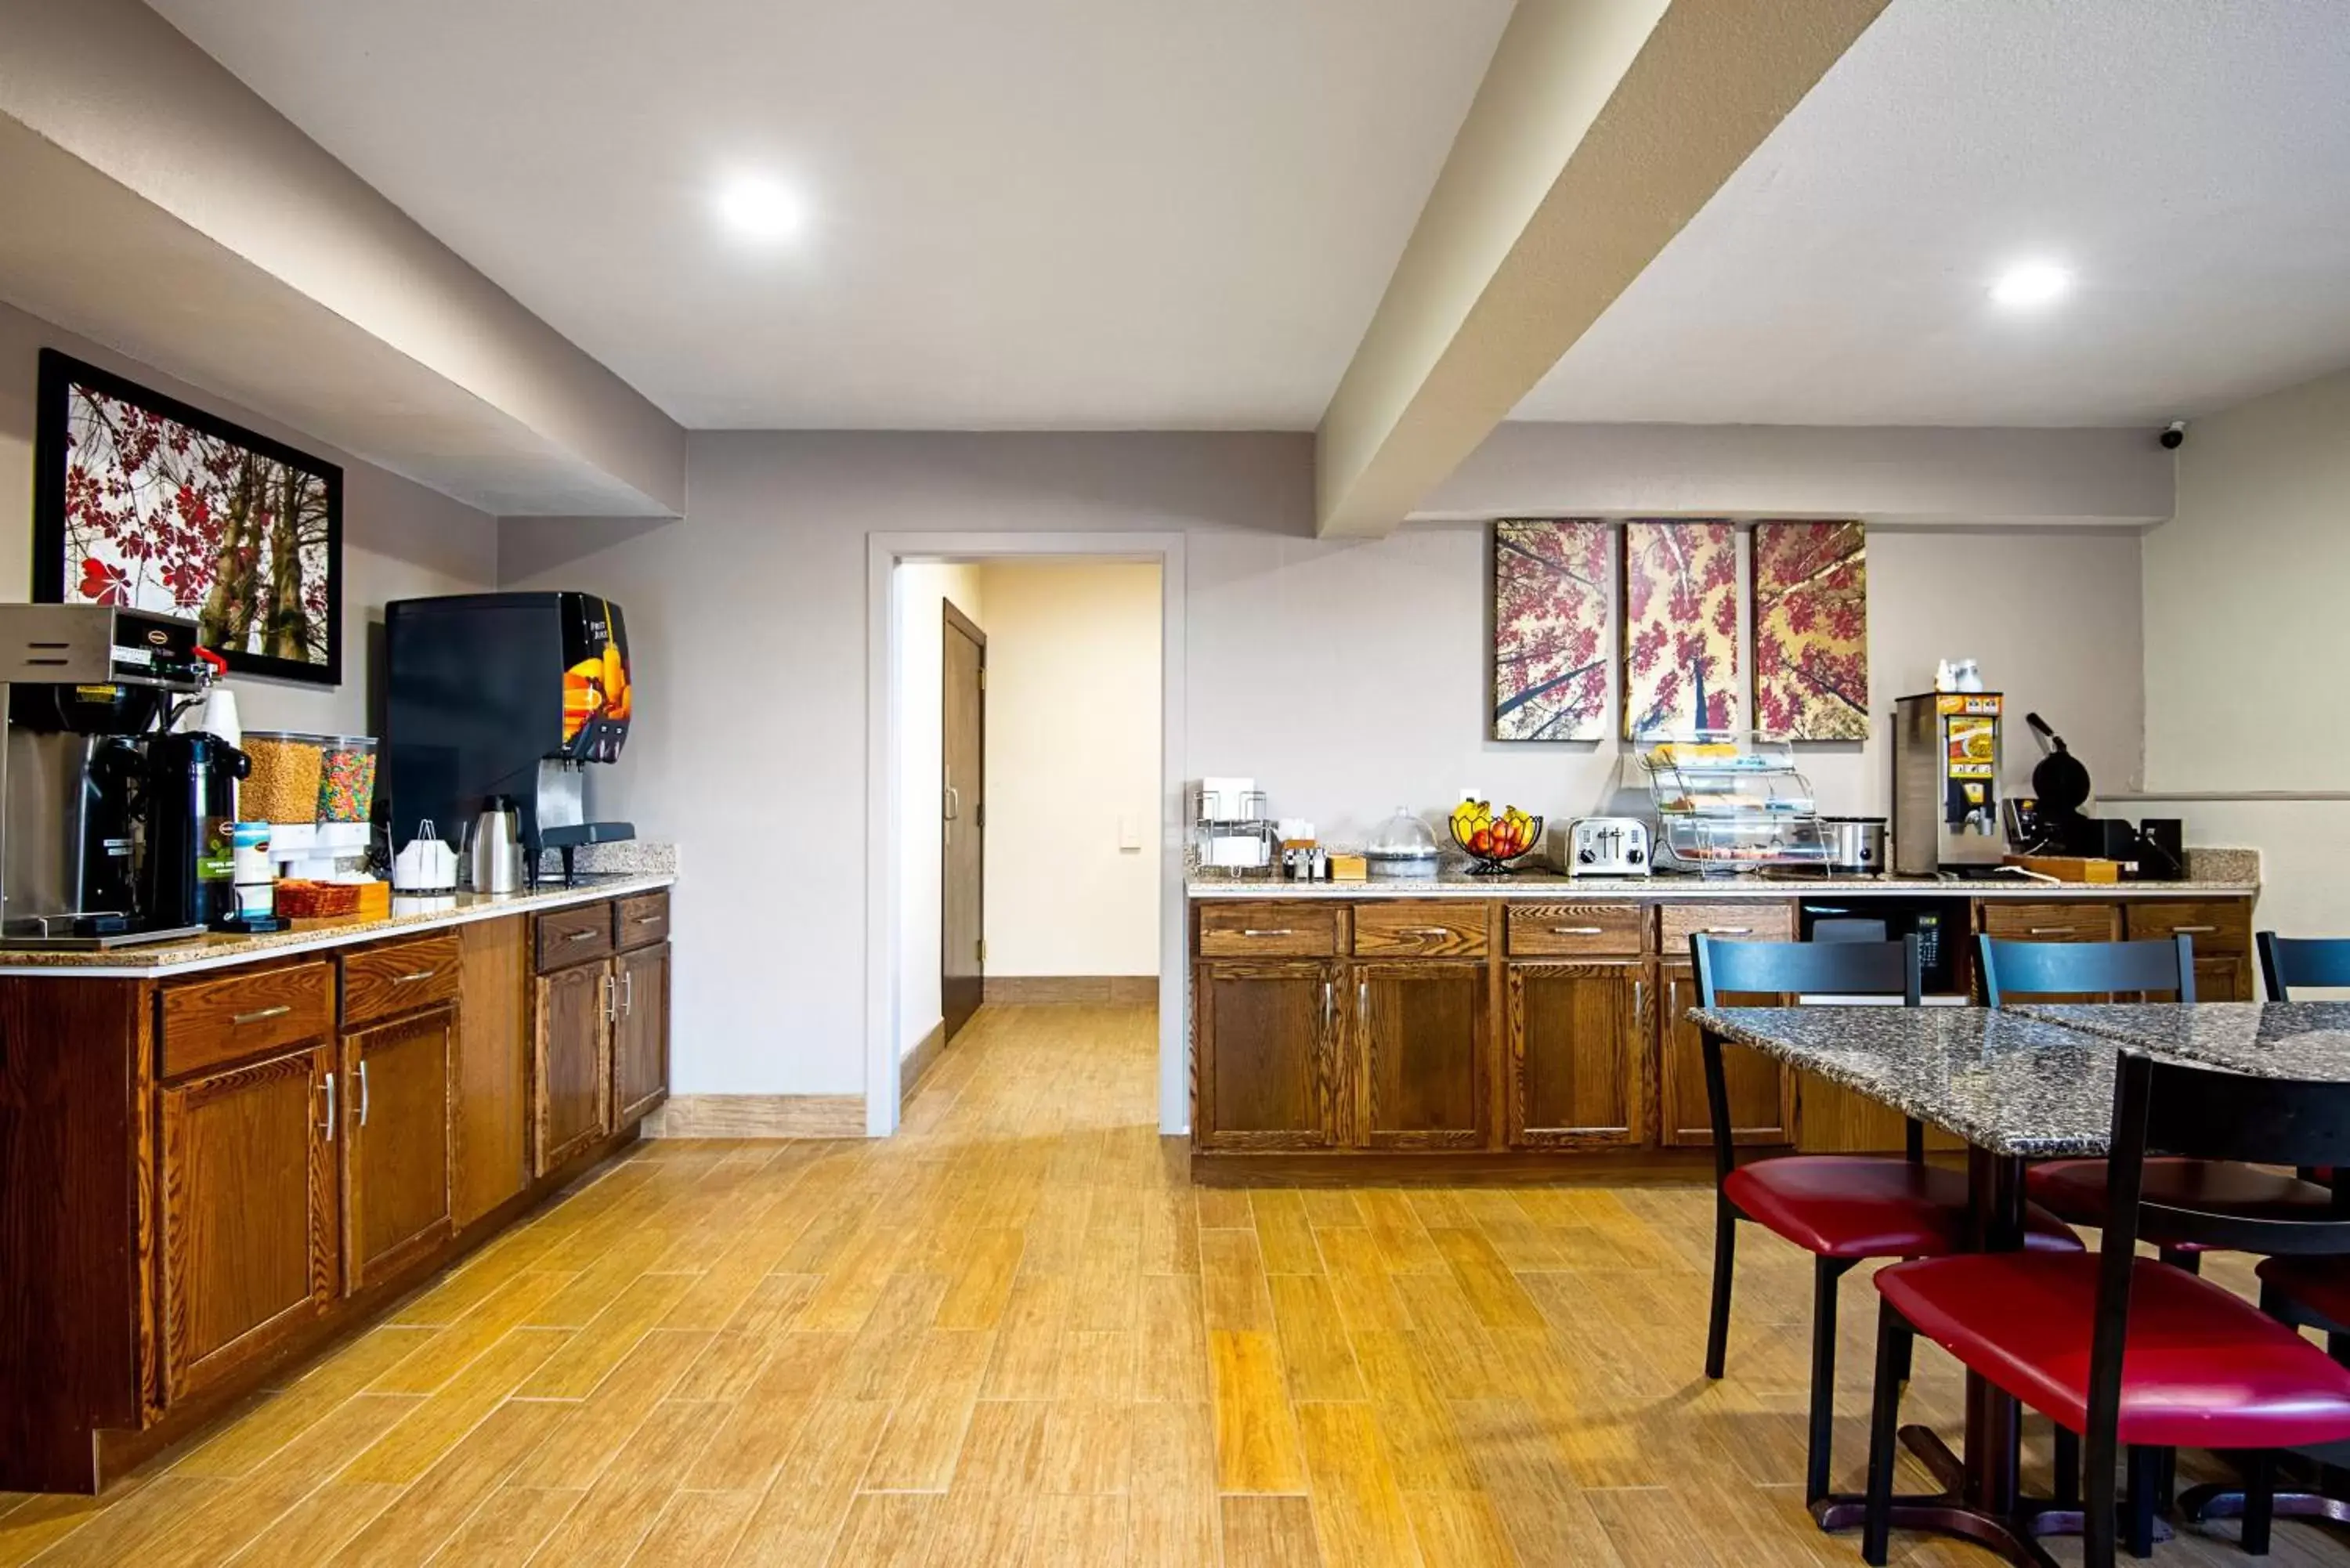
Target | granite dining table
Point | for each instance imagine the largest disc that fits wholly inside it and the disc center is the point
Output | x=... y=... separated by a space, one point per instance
x=2023 y=1084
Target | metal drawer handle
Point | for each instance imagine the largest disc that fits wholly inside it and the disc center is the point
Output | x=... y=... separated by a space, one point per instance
x=363 y=1094
x=589 y=935
x=1579 y=931
x=242 y=1018
x=1428 y=931
x=1730 y=931
x=327 y=1126
x=2193 y=930
x=629 y=994
x=1283 y=932
x=412 y=979
x=650 y=919
x=2049 y=930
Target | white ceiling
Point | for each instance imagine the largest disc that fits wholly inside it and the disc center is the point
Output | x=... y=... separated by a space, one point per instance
x=2189 y=160
x=1025 y=212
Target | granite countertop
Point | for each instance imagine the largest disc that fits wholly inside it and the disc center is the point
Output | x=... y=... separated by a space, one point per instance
x=165 y=958
x=2003 y=1081
x=2268 y=1039
x=2213 y=872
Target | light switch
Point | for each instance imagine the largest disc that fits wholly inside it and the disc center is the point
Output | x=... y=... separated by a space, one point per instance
x=1130 y=832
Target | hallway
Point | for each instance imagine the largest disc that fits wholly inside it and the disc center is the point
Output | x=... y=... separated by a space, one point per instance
x=1016 y=1333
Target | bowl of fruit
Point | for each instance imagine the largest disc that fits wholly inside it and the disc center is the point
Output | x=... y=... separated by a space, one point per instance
x=1492 y=839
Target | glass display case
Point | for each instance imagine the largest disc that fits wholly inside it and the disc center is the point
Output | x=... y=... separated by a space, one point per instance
x=1729 y=801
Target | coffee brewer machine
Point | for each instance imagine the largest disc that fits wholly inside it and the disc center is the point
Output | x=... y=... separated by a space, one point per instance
x=114 y=831
x=492 y=695
x=1946 y=762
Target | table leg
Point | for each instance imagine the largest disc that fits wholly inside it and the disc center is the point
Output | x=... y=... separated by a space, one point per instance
x=1995 y=1421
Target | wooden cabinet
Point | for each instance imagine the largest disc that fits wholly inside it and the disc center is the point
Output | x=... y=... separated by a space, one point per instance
x=396 y=1143
x=1577 y=1065
x=2221 y=931
x=640 y=1033
x=490 y=1120
x=1762 y=1093
x=2066 y=921
x=571 y=1061
x=1265 y=1037
x=1420 y=1040
x=247 y=1217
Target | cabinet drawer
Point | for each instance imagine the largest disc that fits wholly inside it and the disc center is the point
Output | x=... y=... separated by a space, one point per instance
x=2217 y=930
x=566 y=937
x=2050 y=922
x=1297 y=929
x=639 y=922
x=1746 y=919
x=1577 y=930
x=210 y=1022
x=385 y=982
x=1421 y=927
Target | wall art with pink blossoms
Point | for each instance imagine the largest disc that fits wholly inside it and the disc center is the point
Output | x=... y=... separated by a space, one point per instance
x=1550 y=629
x=1680 y=627
x=1810 y=631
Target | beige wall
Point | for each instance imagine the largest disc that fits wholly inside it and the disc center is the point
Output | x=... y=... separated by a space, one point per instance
x=922 y=585
x=2244 y=619
x=1073 y=768
x=399 y=539
x=1349 y=677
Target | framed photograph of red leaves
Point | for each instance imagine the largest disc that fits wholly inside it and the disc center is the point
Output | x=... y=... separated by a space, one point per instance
x=143 y=501
x=1680 y=627
x=1550 y=629
x=1811 y=631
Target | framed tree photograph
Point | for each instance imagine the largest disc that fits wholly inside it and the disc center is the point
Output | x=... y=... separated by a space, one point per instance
x=1550 y=626
x=1680 y=627
x=1811 y=631
x=144 y=502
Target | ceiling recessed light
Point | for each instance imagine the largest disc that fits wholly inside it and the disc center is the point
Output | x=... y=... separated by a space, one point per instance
x=759 y=208
x=2033 y=282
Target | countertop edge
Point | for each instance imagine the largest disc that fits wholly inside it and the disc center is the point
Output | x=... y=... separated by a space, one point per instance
x=1206 y=891
x=253 y=950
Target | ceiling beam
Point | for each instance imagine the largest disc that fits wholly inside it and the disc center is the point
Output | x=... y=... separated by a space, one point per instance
x=1601 y=128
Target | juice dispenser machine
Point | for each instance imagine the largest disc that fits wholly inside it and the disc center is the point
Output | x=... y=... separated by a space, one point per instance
x=1946 y=762
x=507 y=696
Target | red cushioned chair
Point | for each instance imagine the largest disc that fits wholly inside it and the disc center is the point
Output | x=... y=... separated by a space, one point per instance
x=2074 y=1189
x=1840 y=1207
x=2126 y=1351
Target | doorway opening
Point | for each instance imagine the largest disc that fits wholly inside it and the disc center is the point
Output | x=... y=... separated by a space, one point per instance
x=1031 y=807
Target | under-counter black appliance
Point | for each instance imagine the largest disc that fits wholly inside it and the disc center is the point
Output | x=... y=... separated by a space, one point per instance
x=1939 y=924
x=505 y=694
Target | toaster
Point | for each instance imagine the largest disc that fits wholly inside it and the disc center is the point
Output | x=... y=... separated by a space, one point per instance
x=1605 y=846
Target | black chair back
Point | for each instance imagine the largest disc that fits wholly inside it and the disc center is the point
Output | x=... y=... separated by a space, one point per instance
x=2060 y=968
x=1808 y=969
x=2288 y=961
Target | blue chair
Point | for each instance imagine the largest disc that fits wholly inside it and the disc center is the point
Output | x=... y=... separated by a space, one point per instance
x=1840 y=1207
x=2072 y=968
x=2288 y=961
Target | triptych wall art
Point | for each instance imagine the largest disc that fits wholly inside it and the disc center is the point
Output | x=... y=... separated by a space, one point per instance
x=1683 y=601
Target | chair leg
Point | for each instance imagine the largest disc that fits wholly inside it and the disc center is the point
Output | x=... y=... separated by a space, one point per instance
x=1825 y=1272
x=1725 y=1271
x=2260 y=1501
x=2190 y=1261
x=1893 y=1341
x=2066 y=1489
x=2145 y=1467
x=2097 y=1511
x=2166 y=1481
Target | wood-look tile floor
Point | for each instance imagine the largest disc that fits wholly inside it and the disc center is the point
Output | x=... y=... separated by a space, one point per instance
x=1016 y=1334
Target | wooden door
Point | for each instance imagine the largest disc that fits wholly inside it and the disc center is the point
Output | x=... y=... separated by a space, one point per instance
x=962 y=753
x=1265 y=1035
x=571 y=1060
x=490 y=1144
x=1579 y=1064
x=640 y=1037
x=249 y=1222
x=1762 y=1093
x=396 y=1148
x=1418 y=1046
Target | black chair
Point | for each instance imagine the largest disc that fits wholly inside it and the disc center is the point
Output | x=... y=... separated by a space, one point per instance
x=1840 y=1207
x=2204 y=1368
x=2072 y=968
x=2306 y=962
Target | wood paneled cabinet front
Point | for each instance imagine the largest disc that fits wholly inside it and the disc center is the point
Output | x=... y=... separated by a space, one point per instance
x=640 y=1033
x=1577 y=1071
x=1267 y=1036
x=396 y=1128
x=571 y=1063
x=248 y=1218
x=1418 y=1040
x=1760 y=1092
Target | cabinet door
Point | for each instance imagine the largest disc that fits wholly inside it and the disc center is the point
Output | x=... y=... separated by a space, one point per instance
x=1266 y=1069
x=572 y=1058
x=489 y=1150
x=1762 y=1093
x=396 y=1148
x=641 y=1038
x=248 y=1219
x=1421 y=1040
x=2223 y=977
x=1579 y=1062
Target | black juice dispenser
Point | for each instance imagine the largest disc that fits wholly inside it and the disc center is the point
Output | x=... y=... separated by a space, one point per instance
x=505 y=694
x=190 y=800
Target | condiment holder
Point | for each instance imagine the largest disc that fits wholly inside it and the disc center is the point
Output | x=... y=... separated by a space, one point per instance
x=426 y=866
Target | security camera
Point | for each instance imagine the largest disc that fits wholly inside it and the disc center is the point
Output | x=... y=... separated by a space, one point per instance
x=2174 y=435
